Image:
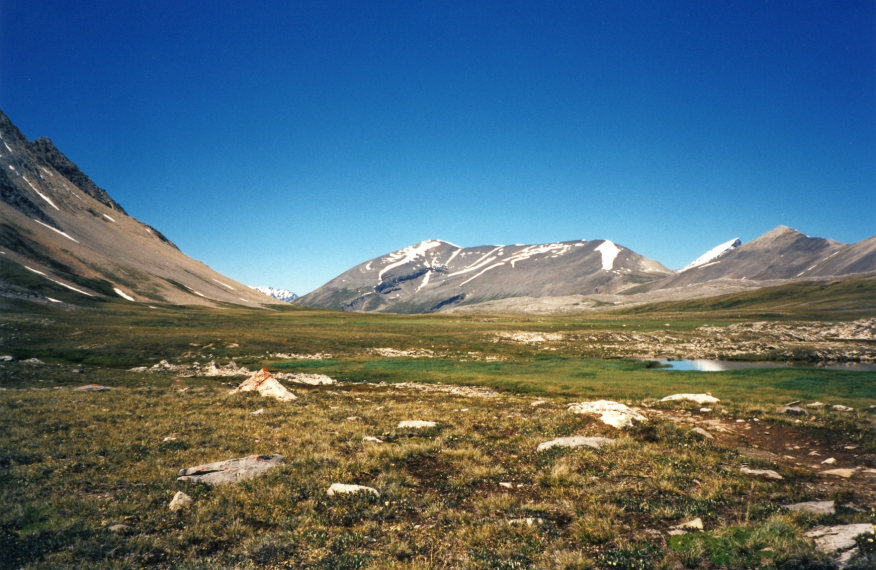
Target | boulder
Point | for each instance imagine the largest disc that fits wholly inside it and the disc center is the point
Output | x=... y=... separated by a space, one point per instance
x=231 y=470
x=266 y=385
x=611 y=413
x=813 y=507
x=575 y=441
x=344 y=489
x=6 y=358
x=91 y=388
x=180 y=501
x=417 y=424
x=767 y=473
x=832 y=539
x=698 y=398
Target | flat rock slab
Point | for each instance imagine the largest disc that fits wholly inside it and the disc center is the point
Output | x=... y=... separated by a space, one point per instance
x=266 y=385
x=836 y=538
x=345 y=489
x=844 y=472
x=91 y=388
x=698 y=398
x=575 y=441
x=610 y=413
x=231 y=470
x=417 y=424
x=767 y=473
x=813 y=507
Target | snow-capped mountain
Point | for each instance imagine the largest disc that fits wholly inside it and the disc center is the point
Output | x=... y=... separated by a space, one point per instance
x=63 y=238
x=433 y=275
x=281 y=294
x=713 y=254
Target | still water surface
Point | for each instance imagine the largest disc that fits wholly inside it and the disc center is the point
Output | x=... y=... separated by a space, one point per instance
x=704 y=365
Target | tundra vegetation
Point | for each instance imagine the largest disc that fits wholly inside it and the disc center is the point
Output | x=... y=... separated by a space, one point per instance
x=86 y=477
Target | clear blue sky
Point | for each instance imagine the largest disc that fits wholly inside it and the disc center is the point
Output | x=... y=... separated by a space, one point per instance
x=283 y=142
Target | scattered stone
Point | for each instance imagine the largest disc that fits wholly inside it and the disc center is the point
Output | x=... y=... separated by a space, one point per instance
x=813 y=507
x=180 y=501
x=841 y=408
x=231 y=470
x=168 y=438
x=371 y=439
x=794 y=403
x=705 y=410
x=703 y=433
x=844 y=472
x=538 y=403
x=815 y=405
x=611 y=413
x=829 y=461
x=33 y=361
x=91 y=388
x=266 y=385
x=685 y=527
x=353 y=418
x=575 y=441
x=344 y=489
x=6 y=358
x=768 y=473
x=308 y=379
x=832 y=539
x=528 y=521
x=417 y=424
x=258 y=412
x=698 y=398
x=793 y=411
x=506 y=485
x=120 y=529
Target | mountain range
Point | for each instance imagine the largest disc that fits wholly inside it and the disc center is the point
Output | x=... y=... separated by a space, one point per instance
x=64 y=239
x=439 y=276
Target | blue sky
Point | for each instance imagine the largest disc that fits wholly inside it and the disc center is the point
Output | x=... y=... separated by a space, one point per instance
x=283 y=142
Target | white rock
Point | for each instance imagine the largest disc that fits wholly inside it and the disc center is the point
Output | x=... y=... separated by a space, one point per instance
x=231 y=470
x=266 y=385
x=813 y=507
x=698 y=398
x=528 y=521
x=575 y=441
x=829 y=461
x=841 y=408
x=844 y=472
x=815 y=405
x=416 y=424
x=694 y=524
x=611 y=413
x=700 y=431
x=6 y=358
x=506 y=485
x=180 y=501
x=372 y=439
x=308 y=379
x=344 y=489
x=834 y=538
x=768 y=473
x=169 y=438
x=538 y=403
x=258 y=412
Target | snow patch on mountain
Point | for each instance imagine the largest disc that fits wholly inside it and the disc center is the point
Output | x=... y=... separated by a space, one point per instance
x=281 y=294
x=609 y=252
x=712 y=254
x=406 y=255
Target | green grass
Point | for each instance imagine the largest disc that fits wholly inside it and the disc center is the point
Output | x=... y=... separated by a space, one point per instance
x=73 y=464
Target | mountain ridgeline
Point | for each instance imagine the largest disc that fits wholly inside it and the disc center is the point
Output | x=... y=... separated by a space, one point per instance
x=64 y=239
x=439 y=276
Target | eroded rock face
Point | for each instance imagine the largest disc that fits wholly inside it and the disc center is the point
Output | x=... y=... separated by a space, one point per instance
x=575 y=441
x=266 y=385
x=231 y=470
x=611 y=413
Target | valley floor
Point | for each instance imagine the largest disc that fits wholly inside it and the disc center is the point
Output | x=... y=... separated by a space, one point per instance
x=86 y=477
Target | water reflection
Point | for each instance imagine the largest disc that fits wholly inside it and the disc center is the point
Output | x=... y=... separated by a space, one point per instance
x=707 y=365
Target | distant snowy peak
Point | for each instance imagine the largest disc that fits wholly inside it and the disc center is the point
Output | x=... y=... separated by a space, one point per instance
x=713 y=254
x=281 y=294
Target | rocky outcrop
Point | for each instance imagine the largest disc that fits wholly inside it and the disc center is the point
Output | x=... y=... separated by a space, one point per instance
x=610 y=413
x=266 y=385
x=231 y=470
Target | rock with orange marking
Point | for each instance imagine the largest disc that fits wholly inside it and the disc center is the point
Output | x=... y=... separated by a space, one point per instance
x=266 y=385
